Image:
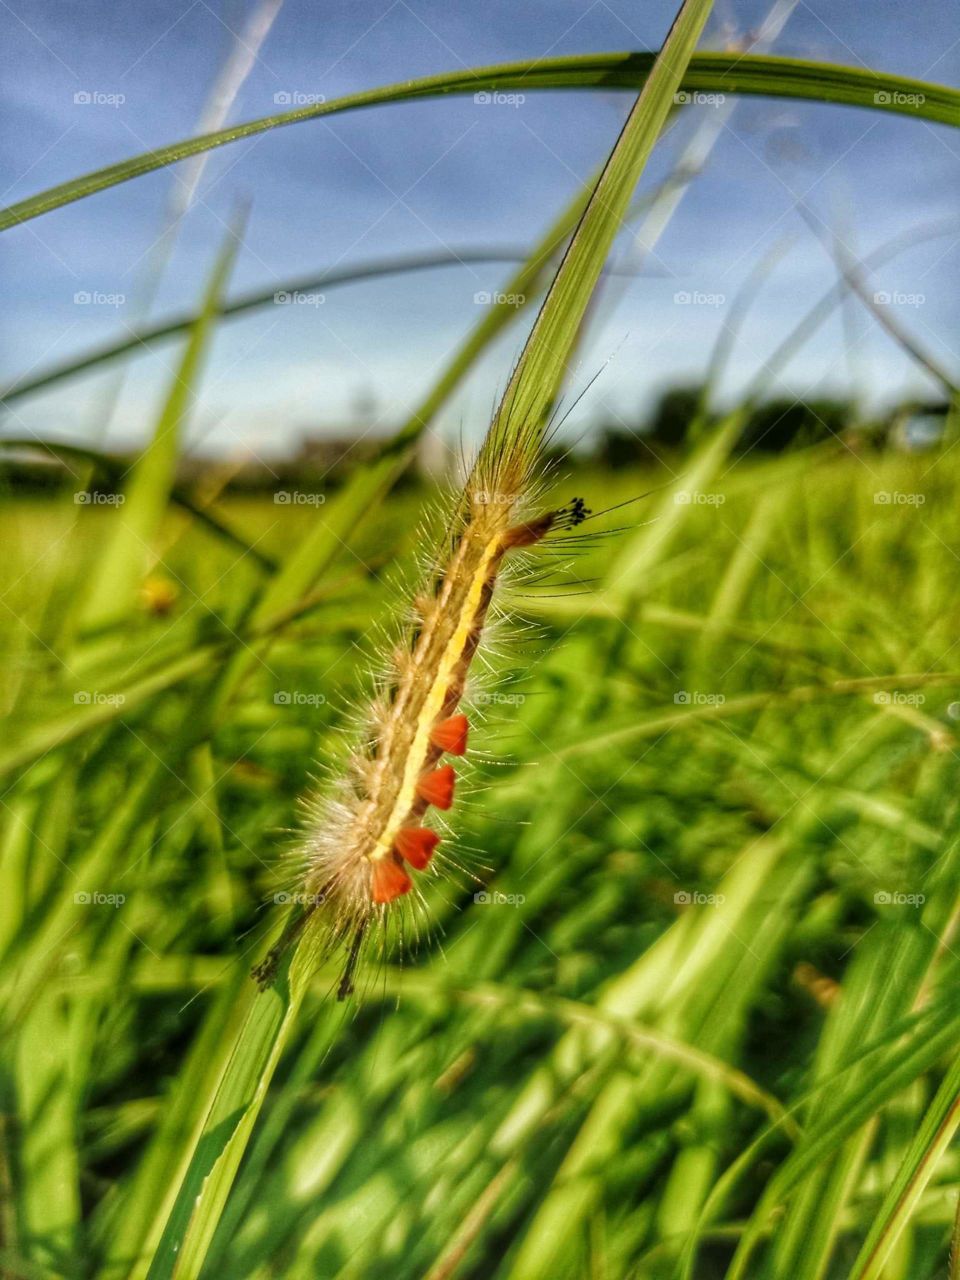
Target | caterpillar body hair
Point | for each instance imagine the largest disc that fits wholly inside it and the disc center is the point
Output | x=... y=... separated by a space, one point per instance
x=371 y=836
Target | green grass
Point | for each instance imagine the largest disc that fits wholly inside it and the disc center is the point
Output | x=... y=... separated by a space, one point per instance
x=704 y=1021
x=501 y=1076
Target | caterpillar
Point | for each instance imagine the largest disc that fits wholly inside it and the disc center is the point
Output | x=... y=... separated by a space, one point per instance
x=368 y=840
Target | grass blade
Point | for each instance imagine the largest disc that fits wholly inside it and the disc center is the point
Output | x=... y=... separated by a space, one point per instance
x=934 y=1136
x=139 y=342
x=541 y=369
x=121 y=568
x=707 y=73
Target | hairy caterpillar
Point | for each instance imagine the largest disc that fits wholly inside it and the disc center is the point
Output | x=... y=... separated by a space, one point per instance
x=368 y=840
x=365 y=842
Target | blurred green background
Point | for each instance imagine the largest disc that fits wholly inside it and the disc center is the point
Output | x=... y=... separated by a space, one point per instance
x=721 y=782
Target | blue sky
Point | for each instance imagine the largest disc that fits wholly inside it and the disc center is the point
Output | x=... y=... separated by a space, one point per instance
x=428 y=176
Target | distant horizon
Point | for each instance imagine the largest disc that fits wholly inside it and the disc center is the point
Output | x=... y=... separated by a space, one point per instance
x=359 y=443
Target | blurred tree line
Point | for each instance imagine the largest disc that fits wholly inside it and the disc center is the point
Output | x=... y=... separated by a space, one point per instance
x=677 y=420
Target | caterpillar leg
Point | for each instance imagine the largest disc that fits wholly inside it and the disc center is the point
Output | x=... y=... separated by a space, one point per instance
x=346 y=979
x=265 y=972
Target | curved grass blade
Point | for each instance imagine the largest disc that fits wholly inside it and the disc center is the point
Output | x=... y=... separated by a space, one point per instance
x=140 y=341
x=707 y=73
